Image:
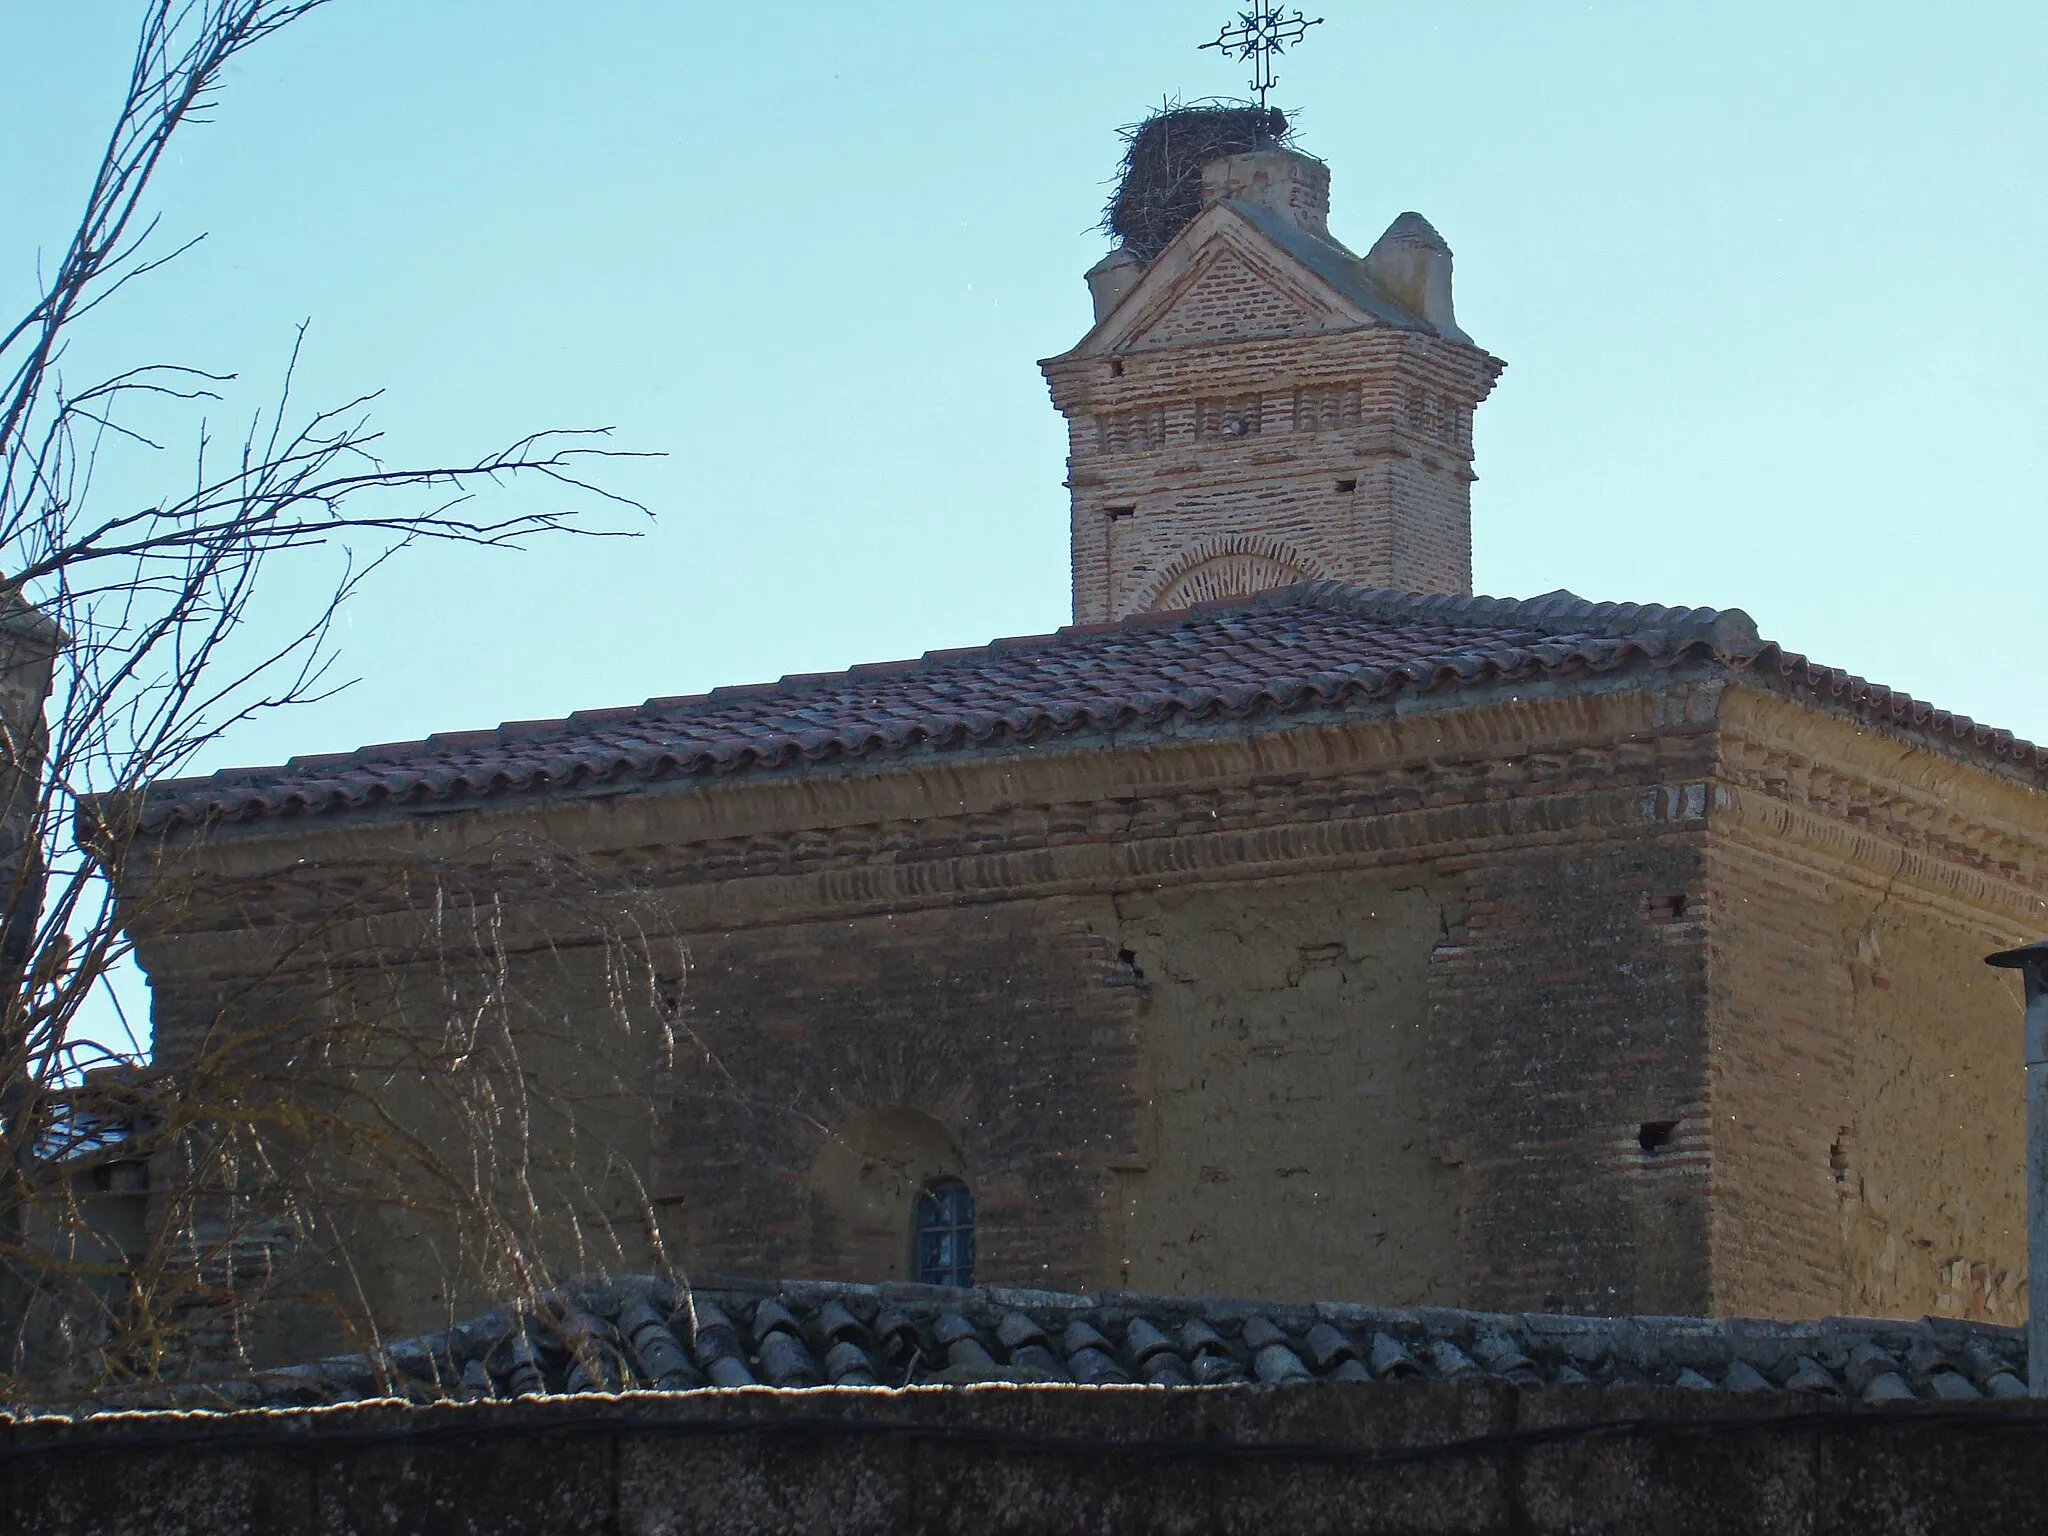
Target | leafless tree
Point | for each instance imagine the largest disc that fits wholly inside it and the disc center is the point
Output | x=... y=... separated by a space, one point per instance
x=131 y=639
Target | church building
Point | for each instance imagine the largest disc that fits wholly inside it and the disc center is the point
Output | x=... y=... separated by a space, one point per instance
x=1293 y=924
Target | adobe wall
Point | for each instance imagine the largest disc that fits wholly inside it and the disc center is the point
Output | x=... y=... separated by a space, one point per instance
x=1291 y=1091
x=1426 y=1082
x=1000 y=1038
x=1867 y=1109
x=1411 y=983
x=1329 y=1068
x=1201 y=1088
x=1569 y=1008
x=540 y=1144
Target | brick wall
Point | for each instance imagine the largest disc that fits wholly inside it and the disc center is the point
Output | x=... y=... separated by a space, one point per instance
x=1866 y=1074
x=1247 y=415
x=1651 y=993
x=1568 y=1013
x=28 y=645
x=1010 y=1025
x=1226 y=299
x=1291 y=1091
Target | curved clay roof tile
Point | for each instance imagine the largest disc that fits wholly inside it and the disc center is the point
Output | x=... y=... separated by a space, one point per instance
x=1315 y=646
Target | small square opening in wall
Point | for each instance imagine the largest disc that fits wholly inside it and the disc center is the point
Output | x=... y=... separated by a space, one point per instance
x=1838 y=1154
x=1113 y=513
x=1116 y=368
x=1668 y=908
x=1653 y=1136
x=1345 y=487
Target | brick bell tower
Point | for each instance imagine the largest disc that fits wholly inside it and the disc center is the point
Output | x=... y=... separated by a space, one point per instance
x=1256 y=405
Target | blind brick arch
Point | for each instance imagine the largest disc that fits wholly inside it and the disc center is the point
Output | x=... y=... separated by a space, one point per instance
x=1235 y=565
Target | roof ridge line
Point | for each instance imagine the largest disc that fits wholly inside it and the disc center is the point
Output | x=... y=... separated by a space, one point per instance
x=1730 y=631
x=1775 y=1350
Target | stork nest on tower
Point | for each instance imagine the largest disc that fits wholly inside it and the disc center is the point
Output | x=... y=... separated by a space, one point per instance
x=1160 y=188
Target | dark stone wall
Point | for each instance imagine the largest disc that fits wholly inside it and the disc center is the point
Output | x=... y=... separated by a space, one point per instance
x=1478 y=1459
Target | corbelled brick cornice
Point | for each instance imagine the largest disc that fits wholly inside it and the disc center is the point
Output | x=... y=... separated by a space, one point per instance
x=1311 y=653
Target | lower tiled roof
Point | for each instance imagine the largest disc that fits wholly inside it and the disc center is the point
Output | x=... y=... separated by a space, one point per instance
x=1316 y=646
x=650 y=1333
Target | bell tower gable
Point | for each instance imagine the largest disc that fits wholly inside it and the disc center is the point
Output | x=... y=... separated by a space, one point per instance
x=1227 y=296
x=1231 y=271
x=1256 y=403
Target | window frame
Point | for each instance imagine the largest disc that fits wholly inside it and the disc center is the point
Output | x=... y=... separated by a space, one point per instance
x=944 y=1210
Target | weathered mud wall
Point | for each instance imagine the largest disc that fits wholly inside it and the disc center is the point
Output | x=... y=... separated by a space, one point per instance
x=1557 y=1000
x=1568 y=1010
x=828 y=1070
x=1867 y=1107
x=408 y=1135
x=1291 y=1092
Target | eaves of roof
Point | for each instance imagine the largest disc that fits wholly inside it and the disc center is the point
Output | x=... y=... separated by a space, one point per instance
x=1295 y=653
x=649 y=1333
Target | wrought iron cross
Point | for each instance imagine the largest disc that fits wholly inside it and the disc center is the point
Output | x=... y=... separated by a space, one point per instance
x=1260 y=34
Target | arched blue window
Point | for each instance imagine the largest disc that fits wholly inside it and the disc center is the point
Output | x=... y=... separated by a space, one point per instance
x=945 y=1234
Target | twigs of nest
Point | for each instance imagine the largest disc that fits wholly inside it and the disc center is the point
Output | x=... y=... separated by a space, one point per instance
x=1160 y=187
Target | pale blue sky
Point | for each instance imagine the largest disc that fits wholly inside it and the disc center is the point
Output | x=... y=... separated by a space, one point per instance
x=1768 y=278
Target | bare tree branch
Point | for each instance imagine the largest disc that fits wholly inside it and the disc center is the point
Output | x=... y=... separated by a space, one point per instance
x=128 y=646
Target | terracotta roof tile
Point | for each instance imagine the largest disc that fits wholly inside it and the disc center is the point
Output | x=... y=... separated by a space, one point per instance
x=649 y=1333
x=1319 y=645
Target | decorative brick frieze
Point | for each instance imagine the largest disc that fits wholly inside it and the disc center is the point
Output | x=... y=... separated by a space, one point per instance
x=1866 y=1127
x=1239 y=338
x=1380 y=769
x=1139 y=430
x=1426 y=423
x=1328 y=407
x=1225 y=565
x=1805 y=785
